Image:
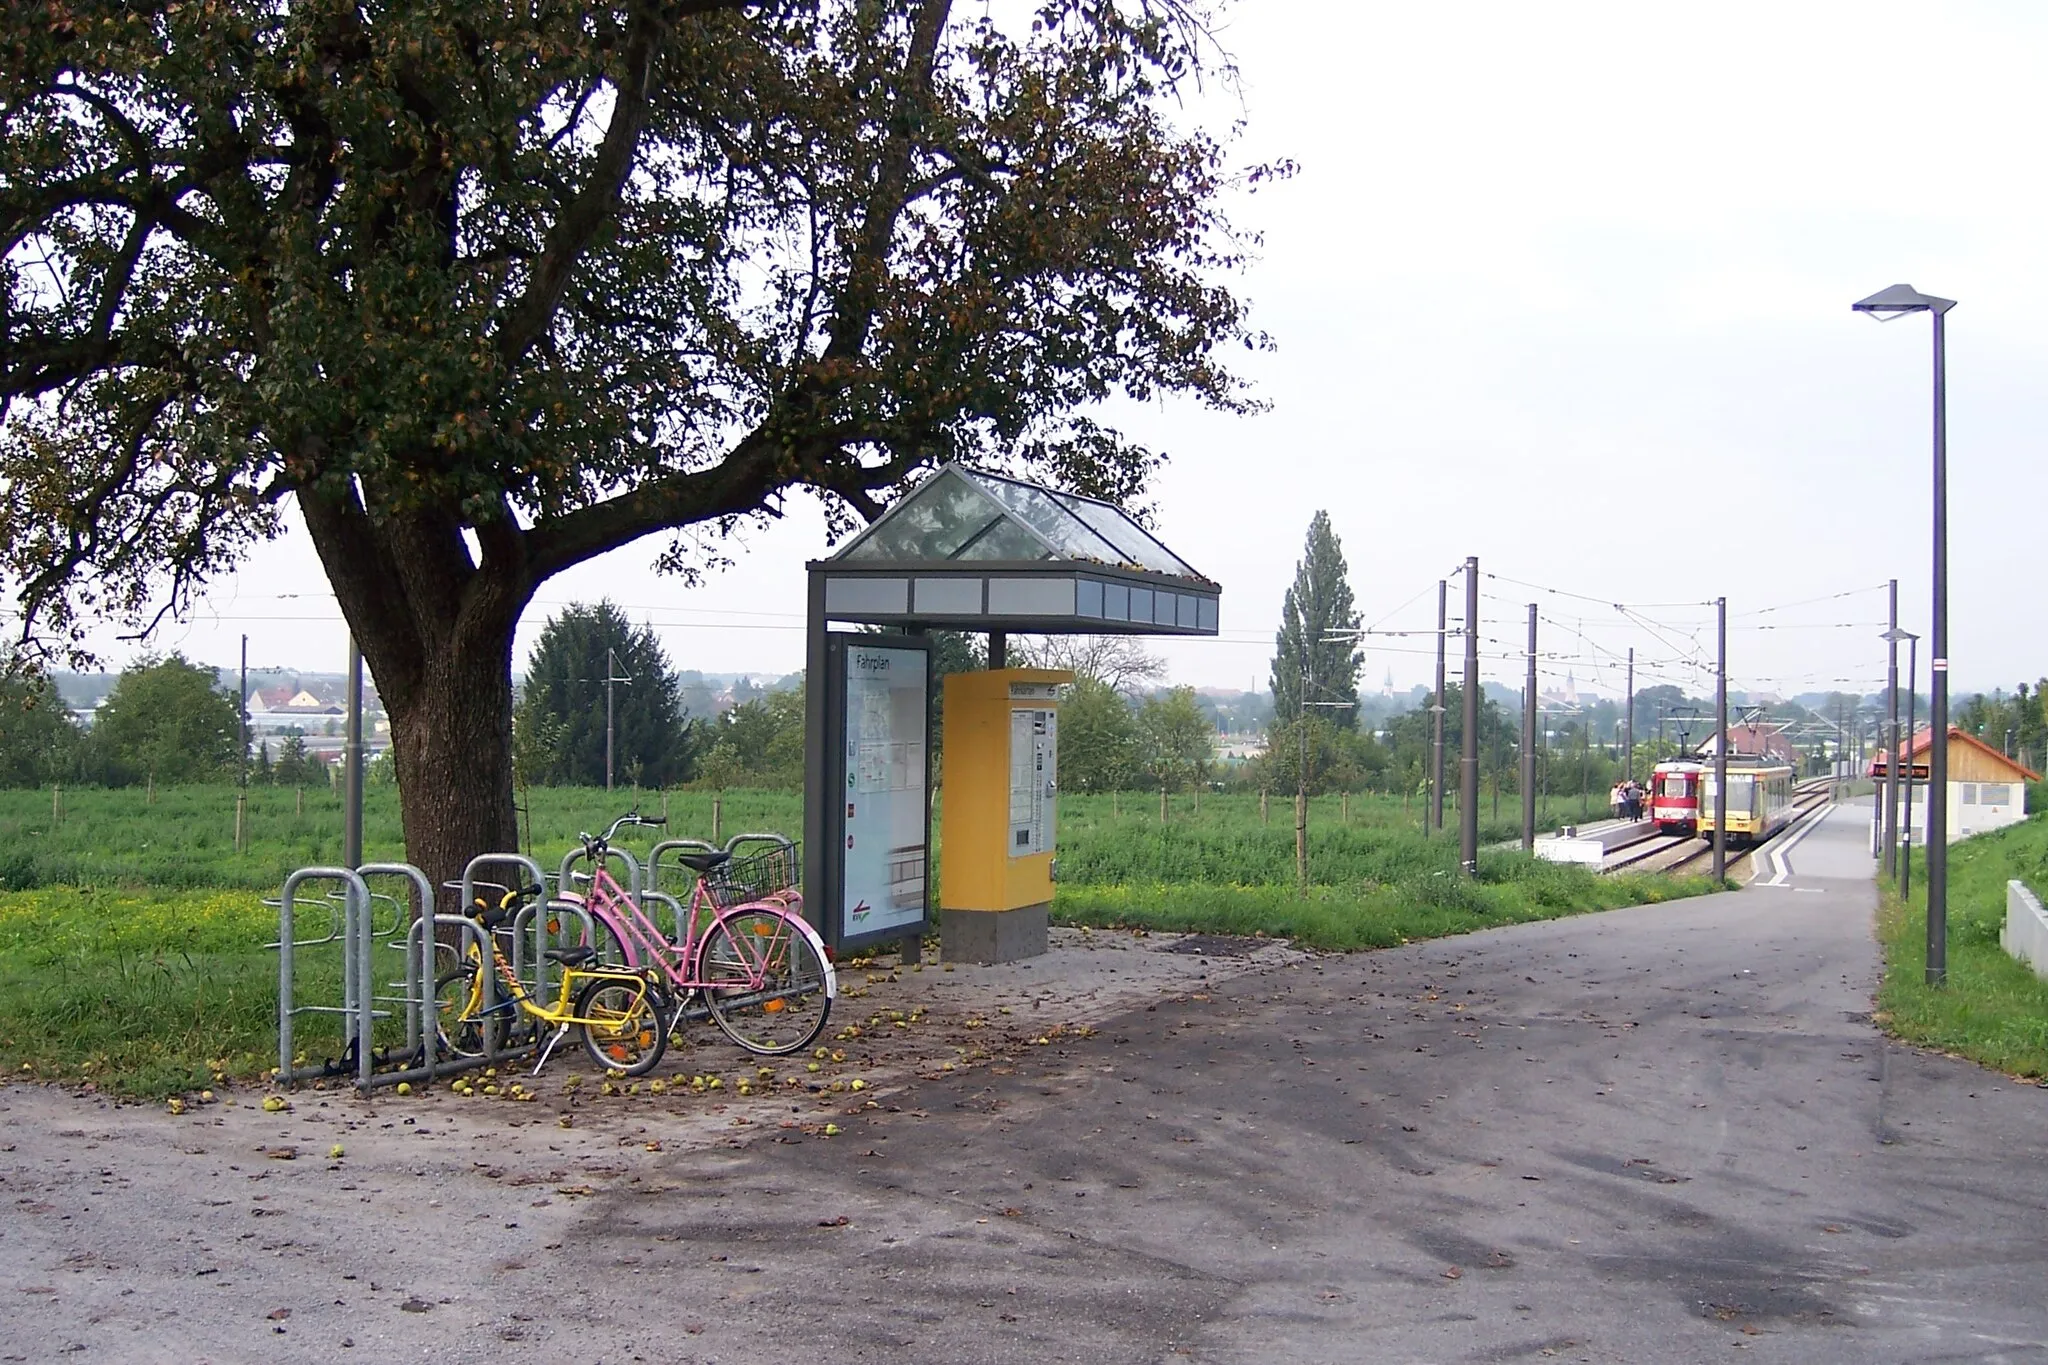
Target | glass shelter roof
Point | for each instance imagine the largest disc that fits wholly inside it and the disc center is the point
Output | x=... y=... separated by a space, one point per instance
x=970 y=514
x=971 y=549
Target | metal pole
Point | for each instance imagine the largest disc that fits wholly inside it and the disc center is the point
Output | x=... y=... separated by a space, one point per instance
x=1435 y=806
x=1529 y=743
x=611 y=670
x=1628 y=721
x=1912 y=722
x=1891 y=767
x=242 y=721
x=817 y=688
x=1468 y=760
x=1937 y=718
x=1721 y=743
x=1300 y=793
x=352 y=768
x=998 y=649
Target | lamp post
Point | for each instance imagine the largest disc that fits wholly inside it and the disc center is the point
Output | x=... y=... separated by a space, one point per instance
x=1886 y=305
x=1912 y=722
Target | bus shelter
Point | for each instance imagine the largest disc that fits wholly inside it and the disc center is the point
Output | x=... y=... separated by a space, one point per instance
x=964 y=550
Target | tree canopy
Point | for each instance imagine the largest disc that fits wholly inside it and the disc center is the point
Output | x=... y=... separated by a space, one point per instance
x=563 y=705
x=166 y=720
x=1305 y=657
x=485 y=291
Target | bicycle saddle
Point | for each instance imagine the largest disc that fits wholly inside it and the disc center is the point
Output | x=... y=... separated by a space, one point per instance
x=703 y=862
x=572 y=957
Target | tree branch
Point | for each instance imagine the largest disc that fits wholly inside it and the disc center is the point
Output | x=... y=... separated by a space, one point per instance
x=886 y=201
x=594 y=203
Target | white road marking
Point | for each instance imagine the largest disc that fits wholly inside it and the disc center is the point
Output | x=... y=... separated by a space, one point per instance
x=1776 y=853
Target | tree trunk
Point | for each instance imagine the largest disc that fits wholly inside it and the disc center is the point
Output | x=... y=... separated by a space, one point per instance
x=451 y=740
x=435 y=627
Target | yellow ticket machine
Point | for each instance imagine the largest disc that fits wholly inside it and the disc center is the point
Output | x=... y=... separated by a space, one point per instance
x=998 y=816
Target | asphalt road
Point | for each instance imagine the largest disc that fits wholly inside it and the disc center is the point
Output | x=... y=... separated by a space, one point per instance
x=1662 y=1134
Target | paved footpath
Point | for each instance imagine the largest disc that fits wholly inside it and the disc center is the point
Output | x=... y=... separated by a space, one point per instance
x=1661 y=1134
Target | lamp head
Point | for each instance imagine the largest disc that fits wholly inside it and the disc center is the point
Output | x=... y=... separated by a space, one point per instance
x=1897 y=301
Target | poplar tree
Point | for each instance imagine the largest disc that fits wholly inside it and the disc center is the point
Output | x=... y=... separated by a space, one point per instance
x=1317 y=606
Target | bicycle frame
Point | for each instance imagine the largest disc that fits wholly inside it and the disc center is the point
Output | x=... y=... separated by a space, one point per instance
x=512 y=993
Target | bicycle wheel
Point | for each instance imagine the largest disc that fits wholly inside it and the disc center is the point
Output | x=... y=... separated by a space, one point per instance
x=625 y=1031
x=458 y=1003
x=765 y=979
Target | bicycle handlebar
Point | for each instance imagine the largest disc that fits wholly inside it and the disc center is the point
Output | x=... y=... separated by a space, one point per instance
x=631 y=817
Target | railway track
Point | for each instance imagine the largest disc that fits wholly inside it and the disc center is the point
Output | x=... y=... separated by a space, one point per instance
x=1676 y=853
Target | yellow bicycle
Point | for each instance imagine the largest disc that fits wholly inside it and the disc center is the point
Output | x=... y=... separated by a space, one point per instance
x=620 y=1011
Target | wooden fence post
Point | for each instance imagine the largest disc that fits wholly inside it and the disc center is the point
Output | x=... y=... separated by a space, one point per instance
x=241 y=812
x=1345 y=806
x=717 y=813
x=1264 y=818
x=1301 y=840
x=298 y=801
x=56 y=804
x=1162 y=803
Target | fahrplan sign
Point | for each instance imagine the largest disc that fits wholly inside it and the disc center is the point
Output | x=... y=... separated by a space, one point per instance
x=881 y=695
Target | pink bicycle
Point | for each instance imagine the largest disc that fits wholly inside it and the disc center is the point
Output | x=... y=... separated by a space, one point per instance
x=747 y=957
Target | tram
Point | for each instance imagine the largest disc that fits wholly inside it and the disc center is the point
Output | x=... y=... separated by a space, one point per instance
x=1675 y=796
x=1759 y=799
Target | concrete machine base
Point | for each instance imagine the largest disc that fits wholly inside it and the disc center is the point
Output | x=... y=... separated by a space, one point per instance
x=990 y=936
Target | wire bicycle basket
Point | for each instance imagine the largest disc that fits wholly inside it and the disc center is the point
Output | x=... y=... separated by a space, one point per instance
x=756 y=877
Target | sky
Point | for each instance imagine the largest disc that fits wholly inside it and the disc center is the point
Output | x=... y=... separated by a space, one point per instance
x=1565 y=288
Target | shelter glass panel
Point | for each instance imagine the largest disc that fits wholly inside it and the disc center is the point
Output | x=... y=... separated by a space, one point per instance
x=933 y=523
x=1044 y=514
x=1004 y=540
x=1135 y=544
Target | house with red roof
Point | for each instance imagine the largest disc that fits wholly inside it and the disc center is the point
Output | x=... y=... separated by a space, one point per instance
x=1986 y=790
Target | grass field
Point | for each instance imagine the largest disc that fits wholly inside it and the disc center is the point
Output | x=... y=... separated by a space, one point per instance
x=1993 y=1010
x=131 y=944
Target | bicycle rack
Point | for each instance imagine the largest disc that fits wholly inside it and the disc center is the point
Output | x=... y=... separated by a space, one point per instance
x=566 y=877
x=419 y=981
x=419 y=949
x=355 y=975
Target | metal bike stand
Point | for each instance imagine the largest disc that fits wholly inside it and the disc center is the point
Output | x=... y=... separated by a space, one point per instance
x=494 y=1018
x=654 y=856
x=418 y=948
x=418 y=981
x=545 y=936
x=675 y=912
x=566 y=877
x=356 y=969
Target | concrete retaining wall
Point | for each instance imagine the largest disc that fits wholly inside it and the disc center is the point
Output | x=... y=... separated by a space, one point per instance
x=2026 y=928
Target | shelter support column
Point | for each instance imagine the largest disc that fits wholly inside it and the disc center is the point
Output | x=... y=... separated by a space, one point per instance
x=817 y=663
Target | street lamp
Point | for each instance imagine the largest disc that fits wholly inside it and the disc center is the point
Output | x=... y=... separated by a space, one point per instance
x=1885 y=305
x=1912 y=722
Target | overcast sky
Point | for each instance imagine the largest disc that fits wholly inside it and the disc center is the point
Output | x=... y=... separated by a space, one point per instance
x=1565 y=287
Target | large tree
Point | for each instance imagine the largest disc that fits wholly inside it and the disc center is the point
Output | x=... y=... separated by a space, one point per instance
x=487 y=290
x=565 y=698
x=166 y=720
x=39 y=742
x=1315 y=651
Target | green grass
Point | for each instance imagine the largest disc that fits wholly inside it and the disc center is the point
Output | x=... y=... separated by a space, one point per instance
x=1993 y=1009
x=132 y=949
x=143 y=993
